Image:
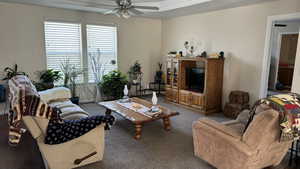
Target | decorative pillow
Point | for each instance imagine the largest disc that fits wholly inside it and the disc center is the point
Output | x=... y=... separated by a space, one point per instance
x=57 y=93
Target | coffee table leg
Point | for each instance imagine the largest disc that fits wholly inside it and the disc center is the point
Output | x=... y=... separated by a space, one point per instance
x=138 y=131
x=167 y=125
x=108 y=112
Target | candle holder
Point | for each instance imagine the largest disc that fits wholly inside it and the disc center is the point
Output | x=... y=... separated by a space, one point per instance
x=125 y=98
x=154 y=107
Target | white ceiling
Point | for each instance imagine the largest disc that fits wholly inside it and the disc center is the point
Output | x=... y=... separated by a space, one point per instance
x=168 y=8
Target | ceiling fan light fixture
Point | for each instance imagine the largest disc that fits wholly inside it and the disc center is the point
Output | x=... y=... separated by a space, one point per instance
x=125 y=14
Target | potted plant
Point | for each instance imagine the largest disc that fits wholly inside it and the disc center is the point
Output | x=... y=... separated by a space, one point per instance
x=135 y=72
x=65 y=67
x=159 y=73
x=11 y=72
x=98 y=66
x=74 y=73
x=113 y=83
x=71 y=73
x=47 y=79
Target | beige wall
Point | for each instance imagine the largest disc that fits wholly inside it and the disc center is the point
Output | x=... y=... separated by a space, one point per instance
x=239 y=32
x=22 y=37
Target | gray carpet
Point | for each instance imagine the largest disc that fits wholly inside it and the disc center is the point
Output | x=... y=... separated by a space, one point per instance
x=158 y=149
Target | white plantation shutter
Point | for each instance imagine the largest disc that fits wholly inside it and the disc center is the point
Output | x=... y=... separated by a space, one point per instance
x=101 y=40
x=62 y=41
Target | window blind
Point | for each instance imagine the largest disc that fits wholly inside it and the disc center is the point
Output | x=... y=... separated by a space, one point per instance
x=63 y=41
x=102 y=50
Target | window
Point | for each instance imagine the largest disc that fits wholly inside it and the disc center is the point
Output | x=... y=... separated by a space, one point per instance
x=101 y=48
x=63 y=42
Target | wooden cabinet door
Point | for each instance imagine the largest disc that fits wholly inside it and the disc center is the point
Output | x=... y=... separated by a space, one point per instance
x=169 y=73
x=184 y=97
x=172 y=95
x=175 y=95
x=197 y=100
x=169 y=94
x=175 y=74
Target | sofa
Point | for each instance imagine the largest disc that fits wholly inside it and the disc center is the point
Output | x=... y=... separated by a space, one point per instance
x=33 y=109
x=228 y=146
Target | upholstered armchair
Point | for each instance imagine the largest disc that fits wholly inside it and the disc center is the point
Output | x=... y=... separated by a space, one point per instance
x=81 y=151
x=36 y=109
x=227 y=146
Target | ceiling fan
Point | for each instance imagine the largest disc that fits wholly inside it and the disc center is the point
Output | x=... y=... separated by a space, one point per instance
x=125 y=9
x=122 y=8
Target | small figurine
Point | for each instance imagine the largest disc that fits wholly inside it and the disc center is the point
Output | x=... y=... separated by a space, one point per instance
x=181 y=53
x=186 y=46
x=221 y=55
x=192 y=50
x=203 y=54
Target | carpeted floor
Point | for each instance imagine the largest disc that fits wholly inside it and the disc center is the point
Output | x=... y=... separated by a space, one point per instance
x=157 y=149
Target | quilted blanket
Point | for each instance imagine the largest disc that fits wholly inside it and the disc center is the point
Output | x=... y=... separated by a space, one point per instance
x=288 y=105
x=25 y=101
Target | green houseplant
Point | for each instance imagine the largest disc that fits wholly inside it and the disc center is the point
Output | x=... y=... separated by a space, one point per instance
x=11 y=72
x=113 y=83
x=47 y=79
x=135 y=72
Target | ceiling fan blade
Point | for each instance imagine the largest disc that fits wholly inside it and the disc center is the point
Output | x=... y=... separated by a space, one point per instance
x=93 y=4
x=139 y=1
x=111 y=11
x=134 y=11
x=146 y=7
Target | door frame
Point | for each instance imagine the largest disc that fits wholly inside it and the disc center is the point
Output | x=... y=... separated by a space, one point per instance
x=278 y=50
x=267 y=50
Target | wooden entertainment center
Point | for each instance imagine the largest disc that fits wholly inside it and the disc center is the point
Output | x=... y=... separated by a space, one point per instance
x=195 y=82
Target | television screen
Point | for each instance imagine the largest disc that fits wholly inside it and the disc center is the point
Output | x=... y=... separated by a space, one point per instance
x=195 y=78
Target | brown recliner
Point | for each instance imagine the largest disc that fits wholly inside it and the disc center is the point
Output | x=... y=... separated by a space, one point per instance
x=227 y=146
x=238 y=101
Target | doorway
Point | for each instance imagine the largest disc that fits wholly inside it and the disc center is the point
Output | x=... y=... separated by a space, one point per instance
x=283 y=55
x=280 y=54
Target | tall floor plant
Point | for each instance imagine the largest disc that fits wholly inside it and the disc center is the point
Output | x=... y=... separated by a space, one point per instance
x=98 y=68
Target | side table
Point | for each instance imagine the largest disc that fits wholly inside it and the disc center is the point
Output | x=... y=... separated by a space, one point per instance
x=295 y=153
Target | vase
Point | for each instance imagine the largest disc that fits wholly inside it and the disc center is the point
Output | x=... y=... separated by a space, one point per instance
x=98 y=96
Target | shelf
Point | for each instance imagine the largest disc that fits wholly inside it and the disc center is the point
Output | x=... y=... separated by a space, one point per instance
x=198 y=59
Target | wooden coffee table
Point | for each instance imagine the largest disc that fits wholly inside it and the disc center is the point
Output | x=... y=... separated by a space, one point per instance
x=136 y=118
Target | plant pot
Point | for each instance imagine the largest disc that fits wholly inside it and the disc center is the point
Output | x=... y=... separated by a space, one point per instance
x=48 y=85
x=75 y=100
x=99 y=94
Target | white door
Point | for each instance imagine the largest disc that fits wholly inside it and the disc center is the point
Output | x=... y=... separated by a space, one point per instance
x=296 y=78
